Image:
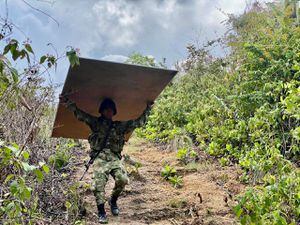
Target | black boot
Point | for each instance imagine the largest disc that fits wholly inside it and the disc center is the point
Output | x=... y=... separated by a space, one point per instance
x=113 y=206
x=102 y=214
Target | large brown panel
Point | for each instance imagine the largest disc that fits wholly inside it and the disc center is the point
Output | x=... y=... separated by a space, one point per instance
x=130 y=86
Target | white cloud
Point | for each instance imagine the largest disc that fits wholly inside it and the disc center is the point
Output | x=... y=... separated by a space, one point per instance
x=113 y=29
x=115 y=58
x=233 y=6
x=117 y=22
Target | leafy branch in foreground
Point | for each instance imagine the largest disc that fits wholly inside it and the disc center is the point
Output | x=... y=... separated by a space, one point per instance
x=18 y=200
x=26 y=115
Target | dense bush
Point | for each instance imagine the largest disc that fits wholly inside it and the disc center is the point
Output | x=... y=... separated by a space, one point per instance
x=19 y=201
x=29 y=190
x=244 y=108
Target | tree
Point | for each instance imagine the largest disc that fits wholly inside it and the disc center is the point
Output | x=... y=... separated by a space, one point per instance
x=139 y=59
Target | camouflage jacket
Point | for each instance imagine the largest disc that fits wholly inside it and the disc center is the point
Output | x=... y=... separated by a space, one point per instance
x=99 y=127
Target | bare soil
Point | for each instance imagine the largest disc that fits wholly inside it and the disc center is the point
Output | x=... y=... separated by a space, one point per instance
x=205 y=198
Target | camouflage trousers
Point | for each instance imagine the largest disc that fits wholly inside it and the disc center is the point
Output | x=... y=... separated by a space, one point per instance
x=107 y=164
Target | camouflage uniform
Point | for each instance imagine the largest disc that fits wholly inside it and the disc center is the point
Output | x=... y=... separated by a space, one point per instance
x=109 y=160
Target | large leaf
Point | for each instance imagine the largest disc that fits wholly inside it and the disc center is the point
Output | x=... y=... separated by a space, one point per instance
x=46 y=168
x=14 y=187
x=6 y=49
x=43 y=59
x=39 y=175
x=28 y=48
x=27 y=192
x=73 y=58
x=25 y=155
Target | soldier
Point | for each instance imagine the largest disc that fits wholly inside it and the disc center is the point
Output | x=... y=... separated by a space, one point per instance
x=108 y=161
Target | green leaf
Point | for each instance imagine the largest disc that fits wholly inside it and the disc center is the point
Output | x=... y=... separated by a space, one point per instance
x=27 y=193
x=13 y=48
x=1 y=66
x=23 y=53
x=68 y=204
x=39 y=175
x=43 y=59
x=46 y=169
x=8 y=178
x=25 y=155
x=2 y=209
x=14 y=148
x=10 y=206
x=28 y=167
x=73 y=58
x=15 y=54
x=28 y=48
x=6 y=49
x=14 y=187
x=238 y=211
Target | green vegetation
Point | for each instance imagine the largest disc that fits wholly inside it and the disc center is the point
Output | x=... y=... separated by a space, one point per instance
x=73 y=203
x=29 y=190
x=62 y=155
x=19 y=202
x=186 y=156
x=169 y=173
x=244 y=108
x=139 y=59
x=176 y=181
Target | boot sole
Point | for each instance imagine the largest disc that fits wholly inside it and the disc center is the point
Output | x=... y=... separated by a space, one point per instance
x=103 y=222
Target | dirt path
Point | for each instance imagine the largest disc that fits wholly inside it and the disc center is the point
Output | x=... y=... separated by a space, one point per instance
x=148 y=199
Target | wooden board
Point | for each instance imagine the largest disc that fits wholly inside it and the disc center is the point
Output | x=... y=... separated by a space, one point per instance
x=130 y=86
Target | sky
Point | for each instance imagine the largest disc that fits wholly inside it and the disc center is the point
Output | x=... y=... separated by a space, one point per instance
x=113 y=29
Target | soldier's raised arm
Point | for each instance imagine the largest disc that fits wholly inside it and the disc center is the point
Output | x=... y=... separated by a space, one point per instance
x=79 y=114
x=130 y=125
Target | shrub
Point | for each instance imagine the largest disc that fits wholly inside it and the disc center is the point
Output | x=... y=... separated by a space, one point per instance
x=62 y=156
x=169 y=174
x=186 y=156
x=244 y=108
x=176 y=181
x=18 y=202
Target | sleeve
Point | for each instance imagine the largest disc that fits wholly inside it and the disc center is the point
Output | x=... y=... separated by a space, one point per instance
x=79 y=114
x=130 y=125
